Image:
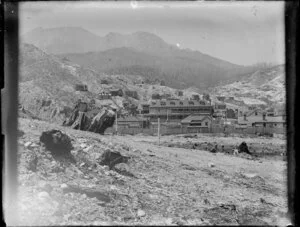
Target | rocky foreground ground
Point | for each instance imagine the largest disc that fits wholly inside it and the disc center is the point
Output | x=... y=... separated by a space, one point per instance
x=176 y=182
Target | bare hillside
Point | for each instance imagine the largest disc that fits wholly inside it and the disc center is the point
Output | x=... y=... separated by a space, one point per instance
x=159 y=185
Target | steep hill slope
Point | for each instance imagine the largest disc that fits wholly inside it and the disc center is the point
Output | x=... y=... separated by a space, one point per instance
x=264 y=86
x=139 y=53
x=178 y=70
x=47 y=83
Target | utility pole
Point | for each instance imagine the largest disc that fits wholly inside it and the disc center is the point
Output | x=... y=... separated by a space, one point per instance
x=158 y=130
x=116 y=122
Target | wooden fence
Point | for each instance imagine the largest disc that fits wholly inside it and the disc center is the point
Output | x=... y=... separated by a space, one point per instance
x=171 y=129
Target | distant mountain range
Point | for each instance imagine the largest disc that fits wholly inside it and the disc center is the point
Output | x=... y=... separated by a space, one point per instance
x=47 y=82
x=140 y=53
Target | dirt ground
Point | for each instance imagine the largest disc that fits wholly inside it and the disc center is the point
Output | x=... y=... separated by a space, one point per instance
x=166 y=184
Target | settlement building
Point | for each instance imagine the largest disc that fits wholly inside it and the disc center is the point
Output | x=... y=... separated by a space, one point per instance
x=132 y=94
x=259 y=118
x=80 y=87
x=143 y=108
x=116 y=92
x=176 y=110
x=104 y=95
x=179 y=93
x=203 y=121
x=132 y=122
x=156 y=96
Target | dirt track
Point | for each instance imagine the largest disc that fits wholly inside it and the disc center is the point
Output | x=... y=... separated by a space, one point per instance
x=166 y=185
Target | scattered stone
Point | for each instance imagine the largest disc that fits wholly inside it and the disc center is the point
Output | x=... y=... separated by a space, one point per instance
x=64 y=186
x=215 y=149
x=141 y=213
x=88 y=148
x=149 y=150
x=43 y=195
x=123 y=169
x=249 y=175
x=82 y=164
x=211 y=164
x=31 y=161
x=235 y=152
x=27 y=144
x=83 y=145
x=206 y=201
x=20 y=133
x=111 y=158
x=136 y=151
x=125 y=147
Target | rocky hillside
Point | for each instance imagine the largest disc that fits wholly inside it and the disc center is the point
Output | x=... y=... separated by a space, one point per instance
x=47 y=85
x=154 y=185
x=265 y=86
x=139 y=53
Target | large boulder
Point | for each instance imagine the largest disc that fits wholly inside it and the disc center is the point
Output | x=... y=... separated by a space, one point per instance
x=95 y=120
x=58 y=143
x=112 y=158
x=243 y=148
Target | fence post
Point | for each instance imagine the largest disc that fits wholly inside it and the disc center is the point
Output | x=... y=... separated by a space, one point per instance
x=158 y=130
x=116 y=123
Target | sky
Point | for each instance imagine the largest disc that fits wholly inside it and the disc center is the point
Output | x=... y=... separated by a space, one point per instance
x=243 y=33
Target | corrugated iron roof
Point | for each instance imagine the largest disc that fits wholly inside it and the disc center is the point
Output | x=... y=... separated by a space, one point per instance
x=131 y=119
x=193 y=118
x=172 y=103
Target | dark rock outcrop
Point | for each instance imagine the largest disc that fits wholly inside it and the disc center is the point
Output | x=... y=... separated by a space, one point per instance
x=112 y=158
x=244 y=148
x=58 y=143
x=96 y=120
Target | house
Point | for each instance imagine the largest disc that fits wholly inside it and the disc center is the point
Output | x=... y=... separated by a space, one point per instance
x=104 y=95
x=104 y=81
x=133 y=122
x=197 y=123
x=176 y=110
x=143 y=108
x=156 y=96
x=249 y=118
x=165 y=96
x=220 y=110
x=132 y=94
x=179 y=93
x=116 y=92
x=80 y=87
x=259 y=118
x=195 y=97
x=230 y=113
x=221 y=98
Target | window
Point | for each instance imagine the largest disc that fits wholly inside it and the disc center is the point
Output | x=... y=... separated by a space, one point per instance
x=255 y=113
x=191 y=103
x=180 y=103
x=162 y=103
x=172 y=103
x=206 y=123
x=195 y=124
